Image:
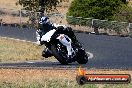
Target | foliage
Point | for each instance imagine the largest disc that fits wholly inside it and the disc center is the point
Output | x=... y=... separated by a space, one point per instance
x=99 y=9
x=42 y=6
x=37 y=5
x=124 y=13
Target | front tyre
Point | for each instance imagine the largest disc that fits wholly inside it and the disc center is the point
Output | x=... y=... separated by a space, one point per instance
x=58 y=55
x=82 y=57
x=46 y=53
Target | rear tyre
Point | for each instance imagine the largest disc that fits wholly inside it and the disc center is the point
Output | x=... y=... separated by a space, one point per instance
x=58 y=56
x=82 y=57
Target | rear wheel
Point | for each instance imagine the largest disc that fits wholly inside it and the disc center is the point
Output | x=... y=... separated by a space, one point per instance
x=59 y=54
x=82 y=57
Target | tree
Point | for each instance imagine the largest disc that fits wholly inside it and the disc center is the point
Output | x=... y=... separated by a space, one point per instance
x=42 y=6
x=99 y=9
x=124 y=1
x=124 y=13
x=39 y=5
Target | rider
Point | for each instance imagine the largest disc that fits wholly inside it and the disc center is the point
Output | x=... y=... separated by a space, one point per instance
x=45 y=26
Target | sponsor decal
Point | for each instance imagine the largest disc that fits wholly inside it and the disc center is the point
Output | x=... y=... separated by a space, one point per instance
x=83 y=78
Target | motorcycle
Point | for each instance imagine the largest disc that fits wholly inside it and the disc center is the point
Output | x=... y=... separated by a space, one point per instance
x=61 y=46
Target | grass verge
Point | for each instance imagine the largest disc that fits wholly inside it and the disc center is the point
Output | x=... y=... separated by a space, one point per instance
x=13 y=50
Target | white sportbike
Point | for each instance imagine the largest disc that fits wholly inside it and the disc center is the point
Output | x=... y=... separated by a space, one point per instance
x=62 y=47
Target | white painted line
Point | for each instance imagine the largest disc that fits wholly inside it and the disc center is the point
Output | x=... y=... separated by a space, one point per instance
x=18 y=39
x=90 y=55
x=30 y=62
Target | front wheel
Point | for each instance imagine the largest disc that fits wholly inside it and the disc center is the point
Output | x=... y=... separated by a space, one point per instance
x=82 y=57
x=59 y=54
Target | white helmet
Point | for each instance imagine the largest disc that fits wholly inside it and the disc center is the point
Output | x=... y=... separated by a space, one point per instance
x=44 y=20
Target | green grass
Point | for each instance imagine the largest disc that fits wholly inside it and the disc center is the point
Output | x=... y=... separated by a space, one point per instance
x=118 y=86
x=47 y=83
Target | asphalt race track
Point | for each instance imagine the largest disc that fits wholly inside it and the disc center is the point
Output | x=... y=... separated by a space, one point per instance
x=111 y=52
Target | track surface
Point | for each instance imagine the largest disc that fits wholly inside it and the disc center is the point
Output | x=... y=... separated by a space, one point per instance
x=111 y=52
